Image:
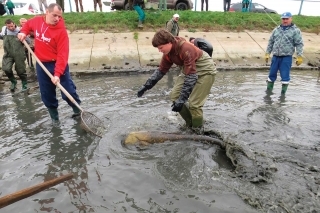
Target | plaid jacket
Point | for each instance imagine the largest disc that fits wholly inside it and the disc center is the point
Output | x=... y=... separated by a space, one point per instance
x=285 y=42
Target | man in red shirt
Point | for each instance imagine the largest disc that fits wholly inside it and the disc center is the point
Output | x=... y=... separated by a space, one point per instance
x=52 y=42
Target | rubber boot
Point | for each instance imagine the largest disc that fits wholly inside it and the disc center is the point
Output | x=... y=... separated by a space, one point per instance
x=140 y=25
x=76 y=112
x=197 y=125
x=284 y=88
x=54 y=116
x=13 y=84
x=186 y=115
x=24 y=85
x=270 y=86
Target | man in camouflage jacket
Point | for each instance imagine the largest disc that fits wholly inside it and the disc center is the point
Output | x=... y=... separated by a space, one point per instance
x=284 y=41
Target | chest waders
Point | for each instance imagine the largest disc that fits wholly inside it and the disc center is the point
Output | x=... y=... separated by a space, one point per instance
x=14 y=53
x=192 y=112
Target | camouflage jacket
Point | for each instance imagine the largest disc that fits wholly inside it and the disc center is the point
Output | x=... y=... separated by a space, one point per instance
x=284 y=42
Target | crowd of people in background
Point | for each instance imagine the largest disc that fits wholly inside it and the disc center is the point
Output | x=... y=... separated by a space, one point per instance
x=7 y=6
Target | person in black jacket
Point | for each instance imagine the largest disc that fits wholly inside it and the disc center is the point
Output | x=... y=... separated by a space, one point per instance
x=2 y=9
x=202 y=44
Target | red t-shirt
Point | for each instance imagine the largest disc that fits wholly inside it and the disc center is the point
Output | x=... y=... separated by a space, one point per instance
x=51 y=42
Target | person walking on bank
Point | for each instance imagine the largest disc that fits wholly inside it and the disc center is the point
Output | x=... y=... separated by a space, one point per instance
x=194 y=83
x=226 y=5
x=61 y=4
x=13 y=54
x=52 y=49
x=202 y=3
x=10 y=6
x=137 y=6
x=95 y=3
x=202 y=44
x=172 y=25
x=44 y=3
x=284 y=41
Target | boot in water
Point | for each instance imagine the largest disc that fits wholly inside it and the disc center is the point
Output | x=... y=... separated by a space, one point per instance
x=24 y=85
x=13 y=84
x=197 y=125
x=284 y=89
x=270 y=86
x=54 y=116
x=76 y=112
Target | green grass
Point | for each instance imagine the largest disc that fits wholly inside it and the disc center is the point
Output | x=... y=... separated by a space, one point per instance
x=127 y=21
x=135 y=35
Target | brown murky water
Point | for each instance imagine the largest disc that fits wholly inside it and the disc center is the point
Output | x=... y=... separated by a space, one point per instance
x=271 y=163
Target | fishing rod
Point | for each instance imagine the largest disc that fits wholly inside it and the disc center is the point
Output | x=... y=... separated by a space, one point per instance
x=270 y=16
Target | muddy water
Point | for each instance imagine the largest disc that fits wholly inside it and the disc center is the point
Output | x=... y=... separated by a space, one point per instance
x=271 y=163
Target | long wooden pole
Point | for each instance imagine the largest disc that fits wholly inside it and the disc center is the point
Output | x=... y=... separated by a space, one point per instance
x=24 y=193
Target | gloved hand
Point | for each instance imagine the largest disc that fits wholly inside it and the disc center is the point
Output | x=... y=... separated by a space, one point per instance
x=267 y=56
x=299 y=60
x=177 y=106
x=141 y=91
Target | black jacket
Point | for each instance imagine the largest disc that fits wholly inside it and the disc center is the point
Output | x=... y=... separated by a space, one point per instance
x=2 y=10
x=204 y=45
x=137 y=2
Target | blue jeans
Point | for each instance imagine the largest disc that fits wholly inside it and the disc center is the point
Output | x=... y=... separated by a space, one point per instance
x=140 y=12
x=282 y=63
x=48 y=89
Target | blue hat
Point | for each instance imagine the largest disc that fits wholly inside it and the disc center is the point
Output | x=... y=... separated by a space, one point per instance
x=286 y=15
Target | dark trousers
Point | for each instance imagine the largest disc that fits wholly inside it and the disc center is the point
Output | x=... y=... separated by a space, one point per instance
x=11 y=11
x=48 y=89
x=226 y=5
x=202 y=2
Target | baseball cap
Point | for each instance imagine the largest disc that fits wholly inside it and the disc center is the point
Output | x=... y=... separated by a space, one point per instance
x=176 y=16
x=286 y=15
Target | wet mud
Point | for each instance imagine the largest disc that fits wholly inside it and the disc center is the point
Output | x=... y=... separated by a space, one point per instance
x=270 y=162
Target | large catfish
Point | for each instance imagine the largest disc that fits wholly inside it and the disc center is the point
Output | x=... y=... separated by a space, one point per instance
x=146 y=138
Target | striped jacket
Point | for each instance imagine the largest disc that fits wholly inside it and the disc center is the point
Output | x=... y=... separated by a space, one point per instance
x=285 y=42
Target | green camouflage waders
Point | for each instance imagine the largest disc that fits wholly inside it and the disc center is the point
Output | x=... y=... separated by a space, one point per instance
x=192 y=113
x=14 y=54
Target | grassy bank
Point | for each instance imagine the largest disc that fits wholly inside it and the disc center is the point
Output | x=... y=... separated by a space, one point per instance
x=124 y=21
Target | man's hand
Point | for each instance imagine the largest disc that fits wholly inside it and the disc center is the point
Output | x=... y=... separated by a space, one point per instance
x=55 y=80
x=267 y=56
x=299 y=60
x=141 y=91
x=21 y=36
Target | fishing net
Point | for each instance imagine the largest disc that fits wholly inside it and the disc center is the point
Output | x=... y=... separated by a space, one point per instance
x=92 y=124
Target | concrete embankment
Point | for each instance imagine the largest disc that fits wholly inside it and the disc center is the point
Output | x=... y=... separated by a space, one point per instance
x=131 y=52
